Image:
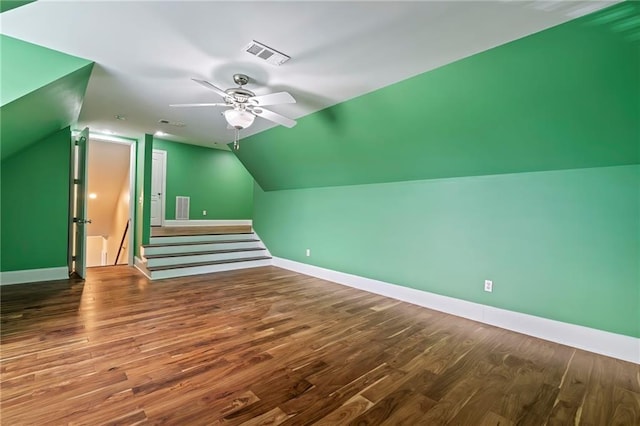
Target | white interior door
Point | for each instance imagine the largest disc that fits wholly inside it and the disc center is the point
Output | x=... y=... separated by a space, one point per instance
x=158 y=172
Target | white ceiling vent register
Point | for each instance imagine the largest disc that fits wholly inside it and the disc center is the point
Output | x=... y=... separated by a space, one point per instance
x=182 y=208
x=171 y=123
x=262 y=51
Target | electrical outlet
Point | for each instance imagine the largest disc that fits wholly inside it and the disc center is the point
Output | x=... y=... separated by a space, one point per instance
x=204 y=212
x=308 y=252
x=488 y=285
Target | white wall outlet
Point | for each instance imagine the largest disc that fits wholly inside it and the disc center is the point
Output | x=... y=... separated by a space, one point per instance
x=488 y=285
x=204 y=212
x=308 y=252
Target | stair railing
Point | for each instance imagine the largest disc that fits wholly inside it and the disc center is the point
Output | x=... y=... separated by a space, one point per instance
x=124 y=234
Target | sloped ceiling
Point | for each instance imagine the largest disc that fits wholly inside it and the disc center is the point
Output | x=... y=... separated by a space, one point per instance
x=147 y=51
x=567 y=97
x=42 y=92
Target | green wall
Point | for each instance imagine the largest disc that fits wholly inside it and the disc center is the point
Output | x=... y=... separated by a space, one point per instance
x=144 y=149
x=518 y=164
x=11 y=4
x=563 y=245
x=214 y=179
x=35 y=205
x=564 y=98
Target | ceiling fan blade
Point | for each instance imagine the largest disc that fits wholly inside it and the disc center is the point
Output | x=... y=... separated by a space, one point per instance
x=199 y=105
x=274 y=116
x=273 y=99
x=208 y=85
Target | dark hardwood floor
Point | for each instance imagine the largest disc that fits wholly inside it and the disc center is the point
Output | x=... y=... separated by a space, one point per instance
x=170 y=231
x=269 y=346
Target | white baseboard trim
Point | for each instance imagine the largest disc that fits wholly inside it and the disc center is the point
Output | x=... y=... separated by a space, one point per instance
x=618 y=346
x=237 y=222
x=34 y=275
x=139 y=265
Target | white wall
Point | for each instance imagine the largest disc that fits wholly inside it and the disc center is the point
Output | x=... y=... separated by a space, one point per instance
x=96 y=246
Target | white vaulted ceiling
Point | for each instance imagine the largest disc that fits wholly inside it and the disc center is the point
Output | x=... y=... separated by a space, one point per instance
x=146 y=52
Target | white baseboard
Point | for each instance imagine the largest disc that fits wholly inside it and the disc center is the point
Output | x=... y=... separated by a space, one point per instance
x=589 y=339
x=34 y=275
x=237 y=222
x=139 y=265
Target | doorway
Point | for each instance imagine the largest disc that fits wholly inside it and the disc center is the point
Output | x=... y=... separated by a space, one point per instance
x=110 y=174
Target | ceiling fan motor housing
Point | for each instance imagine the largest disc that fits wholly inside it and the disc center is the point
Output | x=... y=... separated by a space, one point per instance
x=238 y=94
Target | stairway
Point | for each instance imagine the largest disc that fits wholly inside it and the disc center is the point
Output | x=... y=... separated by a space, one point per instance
x=177 y=252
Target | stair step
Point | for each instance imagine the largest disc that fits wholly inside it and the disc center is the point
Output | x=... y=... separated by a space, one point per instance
x=167 y=231
x=203 y=234
x=187 y=243
x=174 y=253
x=197 y=253
x=164 y=250
x=204 y=237
x=214 y=262
x=208 y=269
x=202 y=256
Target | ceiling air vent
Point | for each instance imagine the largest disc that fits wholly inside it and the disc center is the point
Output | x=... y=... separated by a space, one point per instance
x=171 y=123
x=262 y=51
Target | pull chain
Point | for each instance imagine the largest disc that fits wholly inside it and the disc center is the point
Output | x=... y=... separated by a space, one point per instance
x=236 y=141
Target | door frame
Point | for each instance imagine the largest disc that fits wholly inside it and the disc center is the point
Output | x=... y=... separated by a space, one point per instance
x=163 y=190
x=78 y=203
x=132 y=186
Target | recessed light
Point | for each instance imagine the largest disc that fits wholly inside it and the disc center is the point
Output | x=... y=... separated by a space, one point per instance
x=120 y=117
x=93 y=195
x=161 y=133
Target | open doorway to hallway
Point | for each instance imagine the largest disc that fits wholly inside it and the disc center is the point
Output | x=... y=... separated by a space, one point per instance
x=109 y=202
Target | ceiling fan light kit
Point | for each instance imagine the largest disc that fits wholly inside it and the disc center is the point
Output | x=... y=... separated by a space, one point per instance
x=239 y=119
x=245 y=105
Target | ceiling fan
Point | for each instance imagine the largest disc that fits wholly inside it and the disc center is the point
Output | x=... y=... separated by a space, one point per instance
x=244 y=105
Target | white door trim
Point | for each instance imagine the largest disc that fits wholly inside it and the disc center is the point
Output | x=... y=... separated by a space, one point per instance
x=132 y=202
x=163 y=191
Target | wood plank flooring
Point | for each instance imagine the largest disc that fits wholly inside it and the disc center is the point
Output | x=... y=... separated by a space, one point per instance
x=169 y=231
x=267 y=346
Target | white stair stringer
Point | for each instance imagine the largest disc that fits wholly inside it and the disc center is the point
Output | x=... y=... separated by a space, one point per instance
x=184 y=255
